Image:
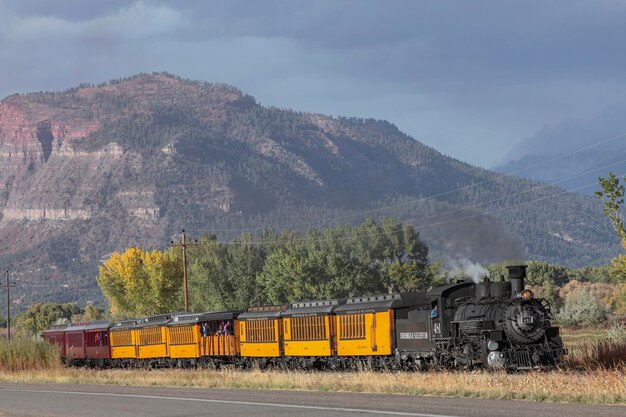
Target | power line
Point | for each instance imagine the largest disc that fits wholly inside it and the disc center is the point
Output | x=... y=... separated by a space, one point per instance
x=533 y=189
x=389 y=207
x=309 y=239
x=509 y=207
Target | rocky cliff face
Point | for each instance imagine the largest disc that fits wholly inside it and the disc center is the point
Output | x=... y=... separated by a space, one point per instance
x=98 y=168
x=40 y=170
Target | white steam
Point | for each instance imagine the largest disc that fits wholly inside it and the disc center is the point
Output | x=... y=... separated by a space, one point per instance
x=463 y=267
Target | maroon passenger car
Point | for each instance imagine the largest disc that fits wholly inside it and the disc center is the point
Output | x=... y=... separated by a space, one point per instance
x=56 y=336
x=97 y=347
x=75 y=343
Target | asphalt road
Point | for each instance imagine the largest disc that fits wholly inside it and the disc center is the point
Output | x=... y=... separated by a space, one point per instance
x=49 y=400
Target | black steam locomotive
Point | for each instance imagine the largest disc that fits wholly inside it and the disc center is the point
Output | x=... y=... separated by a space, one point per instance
x=491 y=324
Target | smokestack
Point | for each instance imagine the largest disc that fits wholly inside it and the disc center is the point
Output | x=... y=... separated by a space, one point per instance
x=482 y=289
x=517 y=273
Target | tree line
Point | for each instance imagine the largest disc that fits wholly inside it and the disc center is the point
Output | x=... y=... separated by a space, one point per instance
x=271 y=268
x=334 y=262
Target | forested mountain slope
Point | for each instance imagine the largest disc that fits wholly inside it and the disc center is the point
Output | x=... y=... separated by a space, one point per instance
x=95 y=169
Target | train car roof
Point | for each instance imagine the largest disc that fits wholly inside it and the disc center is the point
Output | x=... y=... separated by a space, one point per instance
x=444 y=290
x=158 y=320
x=124 y=324
x=370 y=303
x=310 y=308
x=56 y=328
x=382 y=302
x=202 y=317
x=262 y=312
x=97 y=325
x=413 y=298
x=76 y=327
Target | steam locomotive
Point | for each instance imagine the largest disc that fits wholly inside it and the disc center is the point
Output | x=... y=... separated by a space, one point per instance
x=495 y=324
x=460 y=325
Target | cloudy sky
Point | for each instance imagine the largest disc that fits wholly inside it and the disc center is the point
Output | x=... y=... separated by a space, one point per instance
x=473 y=79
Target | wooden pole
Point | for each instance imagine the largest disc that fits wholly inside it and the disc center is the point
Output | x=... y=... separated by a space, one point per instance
x=185 y=273
x=8 y=286
x=184 y=245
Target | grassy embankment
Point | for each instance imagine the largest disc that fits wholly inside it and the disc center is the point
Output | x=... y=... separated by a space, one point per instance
x=587 y=380
x=21 y=354
x=591 y=349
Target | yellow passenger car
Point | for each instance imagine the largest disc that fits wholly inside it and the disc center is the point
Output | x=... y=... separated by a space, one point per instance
x=365 y=325
x=308 y=328
x=191 y=337
x=260 y=332
x=151 y=337
x=183 y=337
x=220 y=334
x=123 y=342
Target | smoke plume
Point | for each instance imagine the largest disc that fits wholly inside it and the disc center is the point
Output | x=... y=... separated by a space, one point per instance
x=463 y=267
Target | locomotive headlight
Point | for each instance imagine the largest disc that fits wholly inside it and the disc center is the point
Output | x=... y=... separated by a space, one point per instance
x=526 y=294
x=492 y=345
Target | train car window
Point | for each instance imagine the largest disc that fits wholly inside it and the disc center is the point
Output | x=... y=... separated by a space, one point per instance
x=121 y=338
x=260 y=331
x=95 y=339
x=181 y=335
x=75 y=339
x=105 y=339
x=402 y=313
x=434 y=310
x=150 y=336
x=308 y=328
x=352 y=326
x=90 y=339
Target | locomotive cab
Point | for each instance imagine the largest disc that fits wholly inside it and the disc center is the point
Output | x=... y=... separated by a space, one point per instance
x=447 y=299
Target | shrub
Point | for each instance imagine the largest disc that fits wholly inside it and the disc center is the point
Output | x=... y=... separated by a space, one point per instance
x=22 y=354
x=582 y=308
x=617 y=332
x=602 y=291
x=618 y=299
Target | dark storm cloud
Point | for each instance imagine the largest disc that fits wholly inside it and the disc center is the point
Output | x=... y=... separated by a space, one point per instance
x=505 y=40
x=73 y=10
x=470 y=78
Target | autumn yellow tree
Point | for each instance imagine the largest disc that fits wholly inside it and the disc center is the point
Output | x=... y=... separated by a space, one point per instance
x=139 y=282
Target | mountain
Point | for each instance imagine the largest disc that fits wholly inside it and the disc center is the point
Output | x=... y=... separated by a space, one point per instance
x=95 y=169
x=574 y=153
x=578 y=173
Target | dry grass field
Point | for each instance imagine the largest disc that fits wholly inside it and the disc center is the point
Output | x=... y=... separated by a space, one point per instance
x=595 y=374
x=599 y=386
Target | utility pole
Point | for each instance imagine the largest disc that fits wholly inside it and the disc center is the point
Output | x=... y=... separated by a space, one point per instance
x=184 y=245
x=8 y=286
